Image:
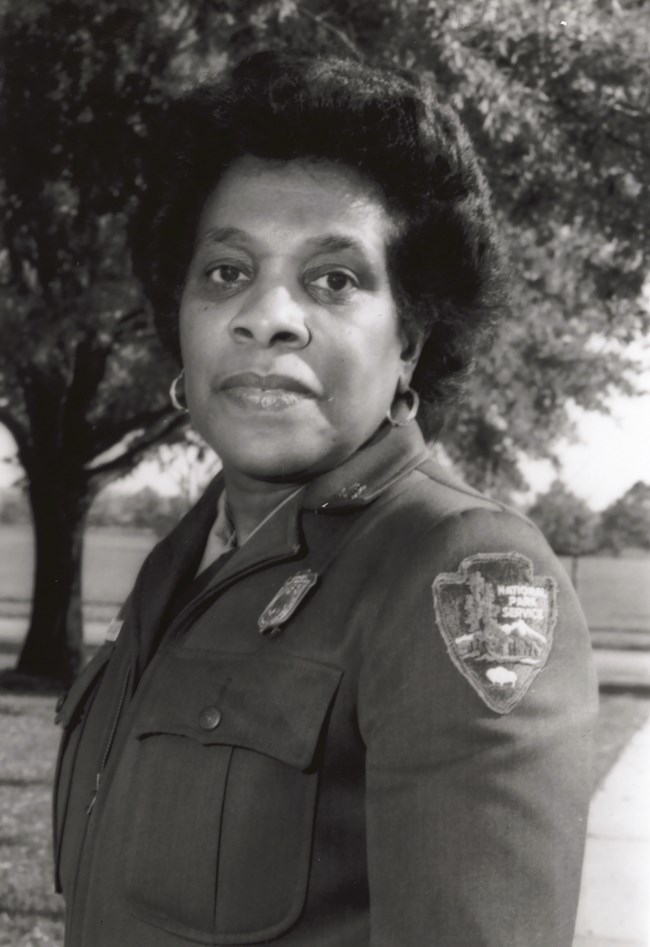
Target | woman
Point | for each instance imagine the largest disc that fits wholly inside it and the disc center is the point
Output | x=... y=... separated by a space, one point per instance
x=349 y=701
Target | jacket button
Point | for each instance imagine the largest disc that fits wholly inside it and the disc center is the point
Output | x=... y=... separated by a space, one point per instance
x=210 y=718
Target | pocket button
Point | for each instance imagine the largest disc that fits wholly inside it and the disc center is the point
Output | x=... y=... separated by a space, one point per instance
x=210 y=718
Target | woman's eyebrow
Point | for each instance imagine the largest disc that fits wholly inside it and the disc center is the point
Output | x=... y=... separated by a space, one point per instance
x=336 y=242
x=226 y=235
x=328 y=243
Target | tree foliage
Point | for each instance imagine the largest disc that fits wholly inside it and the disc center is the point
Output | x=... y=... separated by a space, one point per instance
x=142 y=509
x=626 y=522
x=81 y=380
x=567 y=521
x=555 y=100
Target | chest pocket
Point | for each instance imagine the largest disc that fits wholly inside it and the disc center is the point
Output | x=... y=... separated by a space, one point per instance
x=71 y=714
x=224 y=792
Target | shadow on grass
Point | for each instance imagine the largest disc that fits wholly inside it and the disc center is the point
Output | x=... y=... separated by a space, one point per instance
x=21 y=782
x=28 y=684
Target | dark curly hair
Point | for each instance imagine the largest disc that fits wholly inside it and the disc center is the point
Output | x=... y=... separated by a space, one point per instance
x=445 y=263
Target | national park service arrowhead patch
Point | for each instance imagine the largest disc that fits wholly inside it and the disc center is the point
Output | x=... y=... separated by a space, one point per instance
x=497 y=619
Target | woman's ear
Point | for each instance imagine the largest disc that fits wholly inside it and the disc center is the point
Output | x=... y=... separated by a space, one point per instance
x=413 y=339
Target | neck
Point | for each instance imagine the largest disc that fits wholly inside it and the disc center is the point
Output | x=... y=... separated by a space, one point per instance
x=250 y=501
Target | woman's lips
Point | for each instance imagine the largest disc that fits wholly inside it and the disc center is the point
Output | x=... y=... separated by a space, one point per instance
x=266 y=392
x=275 y=398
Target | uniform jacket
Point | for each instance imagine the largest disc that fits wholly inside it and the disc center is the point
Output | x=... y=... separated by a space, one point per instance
x=370 y=725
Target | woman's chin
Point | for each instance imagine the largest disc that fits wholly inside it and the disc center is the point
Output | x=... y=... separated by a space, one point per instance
x=272 y=458
x=269 y=468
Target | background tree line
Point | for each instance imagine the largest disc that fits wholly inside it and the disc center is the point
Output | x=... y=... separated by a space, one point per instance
x=572 y=528
x=556 y=98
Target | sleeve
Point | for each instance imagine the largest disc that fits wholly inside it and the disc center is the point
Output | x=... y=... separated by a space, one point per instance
x=477 y=701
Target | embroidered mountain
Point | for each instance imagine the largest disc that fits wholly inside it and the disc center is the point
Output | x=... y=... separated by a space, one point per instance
x=487 y=640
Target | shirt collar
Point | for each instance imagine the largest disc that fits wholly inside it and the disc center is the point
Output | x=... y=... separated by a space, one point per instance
x=224 y=528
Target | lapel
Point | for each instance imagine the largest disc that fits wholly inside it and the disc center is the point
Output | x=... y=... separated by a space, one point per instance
x=170 y=565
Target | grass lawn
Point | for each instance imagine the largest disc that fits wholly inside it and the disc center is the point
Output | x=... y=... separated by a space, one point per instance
x=30 y=913
x=615 y=593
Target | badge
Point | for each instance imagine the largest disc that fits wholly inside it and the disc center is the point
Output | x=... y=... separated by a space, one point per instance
x=285 y=601
x=497 y=619
x=113 y=630
x=353 y=491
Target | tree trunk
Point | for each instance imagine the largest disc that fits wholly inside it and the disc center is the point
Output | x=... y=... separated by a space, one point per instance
x=53 y=647
x=574 y=571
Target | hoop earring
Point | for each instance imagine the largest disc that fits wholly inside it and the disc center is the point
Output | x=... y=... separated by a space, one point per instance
x=413 y=410
x=174 y=393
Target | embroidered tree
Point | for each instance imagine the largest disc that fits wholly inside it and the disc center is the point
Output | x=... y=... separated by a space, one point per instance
x=480 y=614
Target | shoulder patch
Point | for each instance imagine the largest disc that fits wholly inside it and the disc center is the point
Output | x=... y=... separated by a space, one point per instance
x=497 y=619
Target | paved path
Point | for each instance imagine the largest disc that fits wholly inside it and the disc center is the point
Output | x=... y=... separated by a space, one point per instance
x=614 y=908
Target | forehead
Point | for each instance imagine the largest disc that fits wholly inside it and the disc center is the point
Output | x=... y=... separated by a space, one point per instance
x=296 y=202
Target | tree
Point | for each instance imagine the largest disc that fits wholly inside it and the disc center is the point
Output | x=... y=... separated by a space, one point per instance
x=82 y=382
x=567 y=522
x=626 y=522
x=555 y=99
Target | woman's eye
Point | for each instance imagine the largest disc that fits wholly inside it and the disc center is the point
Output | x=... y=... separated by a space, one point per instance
x=228 y=276
x=335 y=282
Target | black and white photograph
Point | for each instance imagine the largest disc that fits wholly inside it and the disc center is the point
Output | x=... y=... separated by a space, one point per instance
x=325 y=473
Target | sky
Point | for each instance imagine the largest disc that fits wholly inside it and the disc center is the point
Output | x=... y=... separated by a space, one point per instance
x=612 y=453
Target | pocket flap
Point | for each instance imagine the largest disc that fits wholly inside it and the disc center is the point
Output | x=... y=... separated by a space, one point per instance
x=273 y=704
x=73 y=700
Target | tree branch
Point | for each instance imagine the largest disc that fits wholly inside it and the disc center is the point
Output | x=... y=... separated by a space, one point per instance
x=110 y=434
x=126 y=459
x=132 y=322
x=89 y=367
x=335 y=31
x=565 y=106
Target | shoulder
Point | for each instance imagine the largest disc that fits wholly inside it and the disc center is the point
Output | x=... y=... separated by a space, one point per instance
x=474 y=599
x=445 y=537
x=436 y=517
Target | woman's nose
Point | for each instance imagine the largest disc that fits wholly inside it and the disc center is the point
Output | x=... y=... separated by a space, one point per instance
x=271 y=317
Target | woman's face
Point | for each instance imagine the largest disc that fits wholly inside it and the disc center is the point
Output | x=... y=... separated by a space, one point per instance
x=289 y=332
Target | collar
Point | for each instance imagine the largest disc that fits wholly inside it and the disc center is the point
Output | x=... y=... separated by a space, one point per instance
x=388 y=456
